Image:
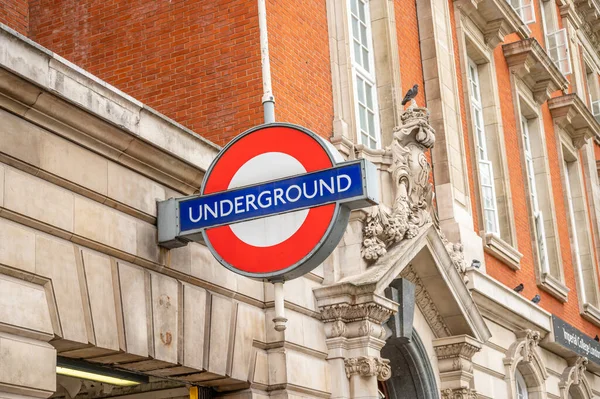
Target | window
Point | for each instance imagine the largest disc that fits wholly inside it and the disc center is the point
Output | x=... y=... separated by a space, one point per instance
x=525 y=10
x=540 y=234
x=365 y=95
x=486 y=171
x=558 y=48
x=522 y=392
x=592 y=90
x=557 y=44
x=577 y=217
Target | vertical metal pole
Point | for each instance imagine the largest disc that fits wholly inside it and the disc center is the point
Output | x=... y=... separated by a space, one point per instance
x=268 y=102
x=268 y=99
x=279 y=300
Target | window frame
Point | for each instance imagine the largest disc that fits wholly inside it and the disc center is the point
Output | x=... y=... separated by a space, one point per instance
x=520 y=7
x=538 y=216
x=368 y=77
x=481 y=150
x=520 y=382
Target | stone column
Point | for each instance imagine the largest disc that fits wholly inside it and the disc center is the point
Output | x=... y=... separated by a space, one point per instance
x=364 y=372
x=355 y=336
x=455 y=365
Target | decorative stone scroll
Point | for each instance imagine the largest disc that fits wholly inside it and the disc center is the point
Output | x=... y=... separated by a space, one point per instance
x=574 y=376
x=413 y=197
x=366 y=366
x=523 y=353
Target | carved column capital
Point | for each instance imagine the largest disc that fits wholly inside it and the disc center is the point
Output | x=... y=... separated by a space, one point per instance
x=366 y=366
x=355 y=320
x=459 y=393
x=455 y=356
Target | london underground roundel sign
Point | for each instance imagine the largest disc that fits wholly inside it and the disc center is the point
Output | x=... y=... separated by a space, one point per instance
x=274 y=203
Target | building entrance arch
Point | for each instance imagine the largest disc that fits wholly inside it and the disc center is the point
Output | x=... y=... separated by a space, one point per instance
x=412 y=373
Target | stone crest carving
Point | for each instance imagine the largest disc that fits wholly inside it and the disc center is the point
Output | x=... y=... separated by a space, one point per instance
x=366 y=366
x=413 y=193
x=459 y=393
x=413 y=196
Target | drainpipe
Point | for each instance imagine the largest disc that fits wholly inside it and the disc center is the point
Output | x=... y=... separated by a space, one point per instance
x=268 y=102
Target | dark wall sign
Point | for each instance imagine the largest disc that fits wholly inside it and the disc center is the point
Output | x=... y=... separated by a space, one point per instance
x=576 y=341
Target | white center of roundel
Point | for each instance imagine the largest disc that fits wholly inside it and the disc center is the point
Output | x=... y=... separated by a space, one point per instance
x=271 y=230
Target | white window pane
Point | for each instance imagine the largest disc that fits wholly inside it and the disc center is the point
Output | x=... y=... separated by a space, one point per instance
x=362 y=112
x=372 y=143
x=357 y=49
x=355 y=28
x=361 y=11
x=365 y=59
x=528 y=14
x=364 y=139
x=371 y=120
x=360 y=90
x=369 y=96
x=363 y=35
x=354 y=7
x=596 y=107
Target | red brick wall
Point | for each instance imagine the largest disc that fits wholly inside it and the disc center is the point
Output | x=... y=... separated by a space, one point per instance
x=300 y=64
x=15 y=14
x=568 y=311
x=409 y=50
x=197 y=62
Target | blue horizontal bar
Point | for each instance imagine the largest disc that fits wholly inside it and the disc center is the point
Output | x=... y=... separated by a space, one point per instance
x=265 y=199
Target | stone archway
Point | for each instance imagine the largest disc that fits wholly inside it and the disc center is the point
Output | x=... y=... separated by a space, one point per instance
x=412 y=374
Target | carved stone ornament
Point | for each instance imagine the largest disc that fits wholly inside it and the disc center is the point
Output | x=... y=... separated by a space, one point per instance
x=459 y=393
x=530 y=340
x=574 y=375
x=413 y=197
x=351 y=321
x=456 y=357
x=426 y=304
x=368 y=367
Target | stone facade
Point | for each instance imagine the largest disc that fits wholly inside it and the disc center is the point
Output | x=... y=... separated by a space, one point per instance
x=417 y=300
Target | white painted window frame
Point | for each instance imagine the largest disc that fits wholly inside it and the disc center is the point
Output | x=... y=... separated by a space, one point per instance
x=525 y=9
x=367 y=76
x=488 y=191
x=558 y=49
x=595 y=109
x=540 y=233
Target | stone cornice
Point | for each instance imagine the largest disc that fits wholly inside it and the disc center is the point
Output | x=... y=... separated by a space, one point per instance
x=495 y=19
x=570 y=113
x=59 y=96
x=529 y=61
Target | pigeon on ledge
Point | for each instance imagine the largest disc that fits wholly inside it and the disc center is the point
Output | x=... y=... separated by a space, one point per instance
x=519 y=288
x=536 y=299
x=410 y=94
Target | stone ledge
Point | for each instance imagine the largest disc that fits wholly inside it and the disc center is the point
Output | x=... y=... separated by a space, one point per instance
x=529 y=61
x=554 y=287
x=504 y=306
x=503 y=251
x=591 y=313
x=495 y=19
x=570 y=113
x=50 y=91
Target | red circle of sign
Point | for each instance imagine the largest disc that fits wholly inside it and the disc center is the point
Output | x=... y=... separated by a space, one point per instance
x=249 y=258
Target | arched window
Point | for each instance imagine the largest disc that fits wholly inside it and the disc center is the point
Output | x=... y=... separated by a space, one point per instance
x=521 y=386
